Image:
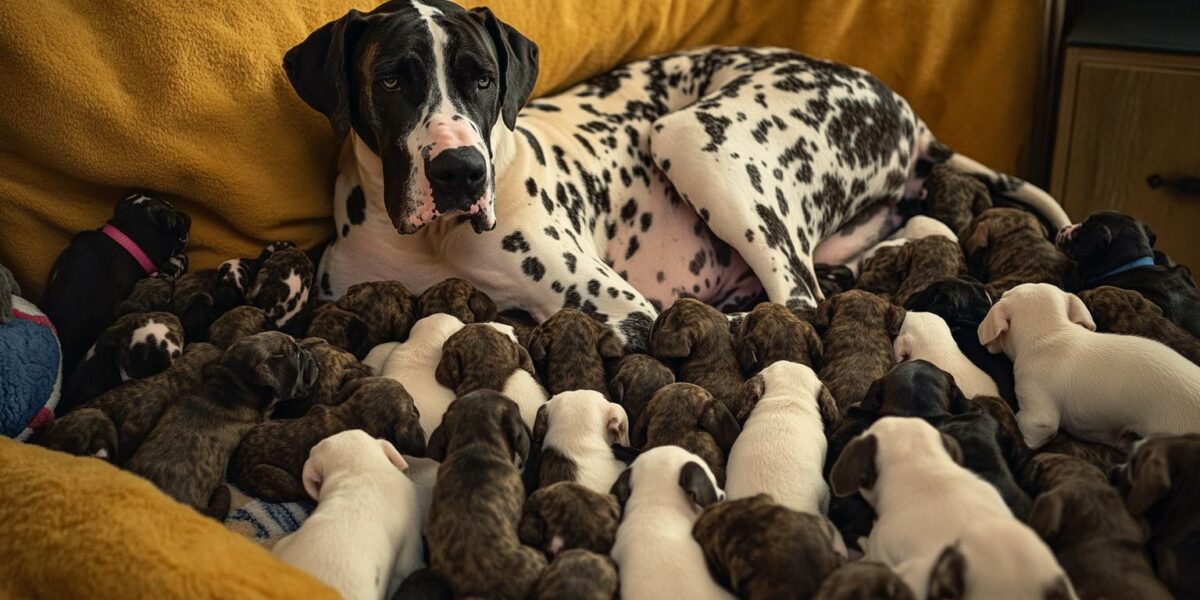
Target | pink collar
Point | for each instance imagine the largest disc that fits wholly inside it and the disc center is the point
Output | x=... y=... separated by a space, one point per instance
x=131 y=247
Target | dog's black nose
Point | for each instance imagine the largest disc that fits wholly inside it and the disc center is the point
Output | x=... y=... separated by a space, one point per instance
x=457 y=177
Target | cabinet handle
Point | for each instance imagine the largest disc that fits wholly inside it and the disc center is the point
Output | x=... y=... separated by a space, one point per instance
x=1183 y=185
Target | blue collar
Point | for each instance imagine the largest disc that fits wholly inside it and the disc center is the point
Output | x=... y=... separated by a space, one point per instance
x=1145 y=261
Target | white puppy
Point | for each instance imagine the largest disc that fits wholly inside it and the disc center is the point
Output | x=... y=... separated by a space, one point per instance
x=576 y=431
x=662 y=493
x=925 y=500
x=1097 y=386
x=414 y=363
x=364 y=537
x=423 y=473
x=926 y=336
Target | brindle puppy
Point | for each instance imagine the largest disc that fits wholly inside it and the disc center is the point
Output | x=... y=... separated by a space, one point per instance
x=282 y=285
x=1047 y=469
x=686 y=415
x=579 y=575
x=522 y=323
x=857 y=330
x=761 y=550
x=567 y=515
x=472 y=539
x=833 y=279
x=336 y=368
x=772 y=333
x=367 y=315
x=864 y=580
x=136 y=346
x=479 y=357
x=269 y=462
x=571 y=351
x=457 y=297
x=694 y=338
x=637 y=378
x=116 y=423
x=924 y=261
x=236 y=324
x=1006 y=247
x=200 y=297
x=1127 y=312
x=954 y=197
x=1102 y=456
x=976 y=434
x=880 y=273
x=152 y=294
x=423 y=584
x=187 y=452
x=1084 y=521
x=1008 y=434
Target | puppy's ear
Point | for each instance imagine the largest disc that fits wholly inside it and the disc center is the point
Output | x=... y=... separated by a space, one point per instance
x=1078 y=313
x=895 y=319
x=903 y=347
x=953 y=449
x=524 y=361
x=313 y=476
x=518 y=57
x=1046 y=515
x=747 y=350
x=720 y=424
x=532 y=528
x=616 y=424
x=1150 y=480
x=358 y=336
x=641 y=427
x=670 y=340
x=855 y=468
x=947 y=580
x=517 y=434
x=410 y=437
x=816 y=349
x=872 y=401
x=1095 y=242
x=824 y=315
x=621 y=488
x=438 y=441
x=449 y=370
x=831 y=415
x=697 y=485
x=609 y=344
x=1150 y=235
x=993 y=326
x=482 y=306
x=541 y=425
x=539 y=343
x=393 y=455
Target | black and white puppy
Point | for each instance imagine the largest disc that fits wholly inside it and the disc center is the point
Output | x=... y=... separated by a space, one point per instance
x=99 y=268
x=574 y=433
x=136 y=346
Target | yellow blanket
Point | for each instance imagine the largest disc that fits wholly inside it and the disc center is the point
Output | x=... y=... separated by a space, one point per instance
x=187 y=99
x=80 y=528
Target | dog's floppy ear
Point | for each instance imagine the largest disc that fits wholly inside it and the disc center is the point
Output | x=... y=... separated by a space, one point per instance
x=313 y=476
x=609 y=344
x=1046 y=515
x=752 y=391
x=438 y=442
x=1150 y=235
x=895 y=319
x=538 y=349
x=993 y=326
x=525 y=361
x=1085 y=246
x=903 y=347
x=541 y=425
x=747 y=350
x=641 y=427
x=953 y=449
x=1078 y=312
x=318 y=71
x=532 y=528
x=671 y=340
x=816 y=349
x=393 y=455
x=824 y=315
x=357 y=335
x=482 y=307
x=617 y=424
x=518 y=57
x=947 y=580
x=831 y=415
x=621 y=488
x=855 y=468
x=449 y=370
x=517 y=434
x=697 y=485
x=720 y=424
x=410 y=437
x=1149 y=480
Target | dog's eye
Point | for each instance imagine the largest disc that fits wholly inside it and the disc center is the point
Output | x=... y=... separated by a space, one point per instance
x=484 y=82
x=390 y=84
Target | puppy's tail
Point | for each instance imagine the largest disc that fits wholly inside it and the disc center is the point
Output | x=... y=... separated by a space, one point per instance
x=1000 y=184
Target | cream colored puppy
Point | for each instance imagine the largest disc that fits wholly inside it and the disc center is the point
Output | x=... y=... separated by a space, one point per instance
x=1100 y=387
x=364 y=537
x=926 y=336
x=414 y=363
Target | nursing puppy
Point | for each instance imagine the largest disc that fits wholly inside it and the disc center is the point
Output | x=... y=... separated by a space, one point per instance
x=1102 y=456
x=1051 y=338
x=781 y=449
x=336 y=369
x=996 y=558
x=1084 y=521
x=187 y=452
x=565 y=516
x=1129 y=313
x=963 y=303
x=573 y=435
x=864 y=580
x=236 y=324
x=662 y=494
x=282 y=285
x=486 y=356
x=269 y=462
x=1007 y=247
x=857 y=329
x=1008 y=433
x=770 y=333
x=976 y=434
x=135 y=347
x=926 y=336
x=472 y=536
x=114 y=425
x=760 y=550
x=571 y=350
x=954 y=197
x=459 y=298
x=579 y=575
x=686 y=415
x=635 y=380
x=364 y=537
x=694 y=338
x=1118 y=250
x=880 y=273
x=414 y=363
x=95 y=272
x=367 y=315
x=1161 y=486
x=924 y=261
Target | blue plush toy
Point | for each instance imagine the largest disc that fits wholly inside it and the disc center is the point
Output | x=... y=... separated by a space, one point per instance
x=30 y=363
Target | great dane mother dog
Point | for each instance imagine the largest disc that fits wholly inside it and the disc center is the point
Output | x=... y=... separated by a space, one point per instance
x=711 y=173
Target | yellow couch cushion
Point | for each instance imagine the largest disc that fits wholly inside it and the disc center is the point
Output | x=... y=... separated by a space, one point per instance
x=188 y=99
x=81 y=528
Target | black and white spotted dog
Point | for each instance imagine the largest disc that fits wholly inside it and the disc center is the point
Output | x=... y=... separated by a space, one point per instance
x=712 y=173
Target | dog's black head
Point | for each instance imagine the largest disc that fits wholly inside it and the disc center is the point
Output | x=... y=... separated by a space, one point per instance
x=270 y=364
x=1106 y=240
x=913 y=389
x=159 y=229
x=422 y=84
x=961 y=301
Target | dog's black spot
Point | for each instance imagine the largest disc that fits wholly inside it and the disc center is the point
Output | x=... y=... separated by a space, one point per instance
x=586 y=145
x=326 y=286
x=613 y=292
x=647 y=219
x=569 y=260
x=715 y=127
x=593 y=287
x=660 y=277
x=632 y=248
x=571 y=298
x=356 y=206
x=755 y=178
x=345 y=230
x=588 y=308
x=515 y=242
x=551 y=232
x=556 y=286
x=547 y=203
x=559 y=159
x=697 y=262
x=666 y=165
x=531 y=187
x=629 y=211
x=533 y=267
x=534 y=144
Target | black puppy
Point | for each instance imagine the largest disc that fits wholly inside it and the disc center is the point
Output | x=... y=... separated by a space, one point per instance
x=976 y=434
x=1115 y=249
x=963 y=303
x=99 y=268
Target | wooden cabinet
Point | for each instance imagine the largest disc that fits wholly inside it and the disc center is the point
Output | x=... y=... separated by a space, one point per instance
x=1126 y=115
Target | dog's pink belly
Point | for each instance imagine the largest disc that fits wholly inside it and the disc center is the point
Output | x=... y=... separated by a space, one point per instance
x=855 y=238
x=671 y=254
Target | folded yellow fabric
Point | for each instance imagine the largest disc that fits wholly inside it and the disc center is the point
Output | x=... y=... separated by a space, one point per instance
x=187 y=99
x=81 y=528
